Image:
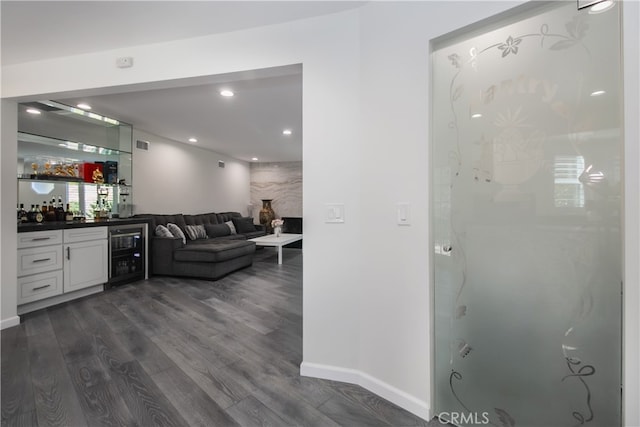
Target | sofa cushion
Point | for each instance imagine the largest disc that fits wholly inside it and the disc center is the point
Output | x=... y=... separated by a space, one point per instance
x=155 y=220
x=226 y=216
x=216 y=250
x=231 y=227
x=201 y=219
x=217 y=230
x=196 y=232
x=243 y=225
x=177 y=231
x=234 y=237
x=162 y=231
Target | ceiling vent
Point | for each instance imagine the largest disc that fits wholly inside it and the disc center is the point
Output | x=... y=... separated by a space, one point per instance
x=142 y=145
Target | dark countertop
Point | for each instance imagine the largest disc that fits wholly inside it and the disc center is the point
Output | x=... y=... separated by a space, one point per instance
x=61 y=225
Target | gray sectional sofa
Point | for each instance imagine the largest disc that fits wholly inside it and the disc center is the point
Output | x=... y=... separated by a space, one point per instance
x=221 y=252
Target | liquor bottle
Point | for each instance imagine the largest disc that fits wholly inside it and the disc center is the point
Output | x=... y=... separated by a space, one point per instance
x=22 y=214
x=60 y=213
x=50 y=215
x=68 y=214
x=38 y=216
x=31 y=215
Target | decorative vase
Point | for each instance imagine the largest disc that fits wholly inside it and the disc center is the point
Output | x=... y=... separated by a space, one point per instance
x=267 y=215
x=277 y=231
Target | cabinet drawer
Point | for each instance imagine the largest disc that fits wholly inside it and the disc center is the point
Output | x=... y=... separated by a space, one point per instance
x=39 y=260
x=39 y=286
x=83 y=234
x=32 y=239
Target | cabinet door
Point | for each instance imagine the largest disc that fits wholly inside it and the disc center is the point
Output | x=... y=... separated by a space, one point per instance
x=85 y=264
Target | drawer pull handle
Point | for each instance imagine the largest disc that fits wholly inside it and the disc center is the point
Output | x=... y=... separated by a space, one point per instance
x=68 y=252
x=37 y=239
x=40 y=287
x=42 y=260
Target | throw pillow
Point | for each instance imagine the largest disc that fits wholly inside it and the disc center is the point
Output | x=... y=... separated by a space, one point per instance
x=243 y=224
x=196 y=232
x=162 y=231
x=217 y=230
x=177 y=232
x=231 y=227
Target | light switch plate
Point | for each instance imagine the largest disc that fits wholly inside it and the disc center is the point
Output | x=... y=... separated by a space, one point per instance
x=334 y=213
x=403 y=214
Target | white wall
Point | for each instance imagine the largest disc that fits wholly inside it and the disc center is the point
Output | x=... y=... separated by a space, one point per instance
x=365 y=111
x=172 y=177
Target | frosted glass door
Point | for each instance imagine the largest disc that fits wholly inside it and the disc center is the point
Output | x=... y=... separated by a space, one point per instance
x=527 y=202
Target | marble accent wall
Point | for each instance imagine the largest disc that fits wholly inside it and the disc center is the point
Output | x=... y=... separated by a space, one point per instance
x=282 y=182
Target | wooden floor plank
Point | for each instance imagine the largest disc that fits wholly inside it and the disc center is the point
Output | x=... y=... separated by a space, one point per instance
x=100 y=398
x=345 y=413
x=291 y=405
x=193 y=403
x=215 y=381
x=150 y=357
x=251 y=412
x=22 y=419
x=17 y=392
x=381 y=408
x=175 y=351
x=146 y=402
x=56 y=401
x=74 y=343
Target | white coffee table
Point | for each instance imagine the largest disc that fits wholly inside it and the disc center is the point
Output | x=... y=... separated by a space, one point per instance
x=277 y=242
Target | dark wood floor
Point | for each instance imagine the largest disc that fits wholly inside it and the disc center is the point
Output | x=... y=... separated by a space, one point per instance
x=180 y=352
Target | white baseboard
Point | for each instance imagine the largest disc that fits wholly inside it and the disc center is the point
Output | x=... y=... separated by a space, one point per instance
x=404 y=400
x=11 y=321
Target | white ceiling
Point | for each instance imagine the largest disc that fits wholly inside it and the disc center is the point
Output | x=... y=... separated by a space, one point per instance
x=248 y=125
x=244 y=126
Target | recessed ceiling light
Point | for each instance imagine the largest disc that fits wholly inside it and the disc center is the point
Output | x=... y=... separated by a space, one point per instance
x=255 y=159
x=226 y=92
x=476 y=116
x=84 y=106
x=33 y=111
x=193 y=140
x=598 y=93
x=601 y=7
x=287 y=132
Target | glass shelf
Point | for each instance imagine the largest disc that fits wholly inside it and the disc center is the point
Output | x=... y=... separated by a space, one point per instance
x=59 y=121
x=63 y=150
x=63 y=179
x=48 y=146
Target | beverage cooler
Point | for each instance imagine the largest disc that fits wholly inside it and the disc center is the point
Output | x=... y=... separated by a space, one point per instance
x=126 y=254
